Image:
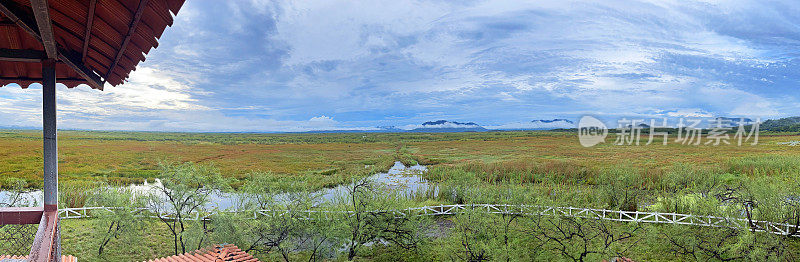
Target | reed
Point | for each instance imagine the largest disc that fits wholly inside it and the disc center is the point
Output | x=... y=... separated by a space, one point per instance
x=74 y=194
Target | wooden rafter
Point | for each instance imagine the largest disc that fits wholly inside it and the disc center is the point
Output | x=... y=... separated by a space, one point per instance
x=131 y=31
x=10 y=10
x=88 y=33
x=29 y=24
x=81 y=69
x=41 y=11
x=38 y=79
x=22 y=55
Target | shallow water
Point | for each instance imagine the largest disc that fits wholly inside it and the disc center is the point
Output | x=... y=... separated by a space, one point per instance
x=402 y=179
x=24 y=199
x=405 y=180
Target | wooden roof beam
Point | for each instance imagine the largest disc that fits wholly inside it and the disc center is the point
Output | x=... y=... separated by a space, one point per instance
x=22 y=55
x=74 y=62
x=131 y=31
x=11 y=10
x=41 y=11
x=88 y=33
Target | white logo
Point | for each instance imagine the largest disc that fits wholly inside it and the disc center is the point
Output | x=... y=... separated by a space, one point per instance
x=591 y=131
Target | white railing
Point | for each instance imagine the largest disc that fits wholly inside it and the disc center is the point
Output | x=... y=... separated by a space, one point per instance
x=524 y=210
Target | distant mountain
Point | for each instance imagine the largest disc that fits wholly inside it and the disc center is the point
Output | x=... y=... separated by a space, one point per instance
x=732 y=121
x=448 y=126
x=389 y=129
x=323 y=131
x=789 y=124
x=553 y=121
x=443 y=126
x=558 y=123
x=642 y=126
x=16 y=127
x=377 y=129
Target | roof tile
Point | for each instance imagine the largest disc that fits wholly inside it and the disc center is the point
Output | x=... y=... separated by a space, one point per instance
x=63 y=258
x=227 y=253
x=112 y=20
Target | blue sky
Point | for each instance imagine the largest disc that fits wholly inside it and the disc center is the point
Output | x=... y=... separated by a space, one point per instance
x=320 y=65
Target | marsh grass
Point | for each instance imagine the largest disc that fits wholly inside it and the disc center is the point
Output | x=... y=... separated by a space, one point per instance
x=772 y=165
x=523 y=157
x=74 y=193
x=682 y=187
x=544 y=168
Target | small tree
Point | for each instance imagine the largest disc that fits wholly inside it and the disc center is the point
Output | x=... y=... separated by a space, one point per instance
x=279 y=219
x=372 y=217
x=123 y=221
x=720 y=244
x=182 y=200
x=576 y=238
x=473 y=234
x=319 y=240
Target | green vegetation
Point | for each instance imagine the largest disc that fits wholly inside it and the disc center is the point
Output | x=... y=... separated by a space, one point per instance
x=324 y=160
x=122 y=223
x=364 y=234
x=759 y=182
x=80 y=238
x=789 y=124
x=186 y=189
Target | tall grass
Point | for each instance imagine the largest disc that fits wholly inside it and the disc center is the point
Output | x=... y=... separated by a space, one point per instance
x=74 y=194
x=623 y=187
x=771 y=165
x=555 y=171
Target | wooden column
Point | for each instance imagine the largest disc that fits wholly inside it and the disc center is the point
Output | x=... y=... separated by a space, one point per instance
x=50 y=147
x=50 y=142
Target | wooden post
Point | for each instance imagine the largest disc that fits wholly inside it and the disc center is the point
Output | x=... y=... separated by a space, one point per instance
x=50 y=142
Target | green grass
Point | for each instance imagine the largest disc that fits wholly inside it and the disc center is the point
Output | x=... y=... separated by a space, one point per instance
x=79 y=238
x=132 y=157
x=546 y=168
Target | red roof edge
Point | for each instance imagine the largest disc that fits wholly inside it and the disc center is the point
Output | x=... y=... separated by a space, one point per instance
x=226 y=252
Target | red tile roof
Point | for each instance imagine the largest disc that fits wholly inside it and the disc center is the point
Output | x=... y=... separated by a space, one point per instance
x=122 y=32
x=63 y=258
x=212 y=254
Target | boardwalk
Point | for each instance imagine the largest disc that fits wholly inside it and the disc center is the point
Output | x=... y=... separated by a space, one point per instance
x=524 y=210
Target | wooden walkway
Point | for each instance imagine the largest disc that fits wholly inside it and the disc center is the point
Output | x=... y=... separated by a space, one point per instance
x=525 y=210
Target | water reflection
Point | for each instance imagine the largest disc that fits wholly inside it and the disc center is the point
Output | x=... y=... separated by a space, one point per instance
x=402 y=179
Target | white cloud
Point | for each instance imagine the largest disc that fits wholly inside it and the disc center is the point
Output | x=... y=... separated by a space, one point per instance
x=148 y=92
x=273 y=64
x=689 y=112
x=536 y=124
x=345 y=30
x=440 y=125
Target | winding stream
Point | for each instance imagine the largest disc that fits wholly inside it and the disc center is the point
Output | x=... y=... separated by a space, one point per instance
x=406 y=180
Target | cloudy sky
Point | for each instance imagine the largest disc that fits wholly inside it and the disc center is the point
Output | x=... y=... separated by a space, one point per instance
x=327 y=64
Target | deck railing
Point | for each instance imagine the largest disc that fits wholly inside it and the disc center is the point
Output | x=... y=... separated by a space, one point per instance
x=524 y=210
x=19 y=232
